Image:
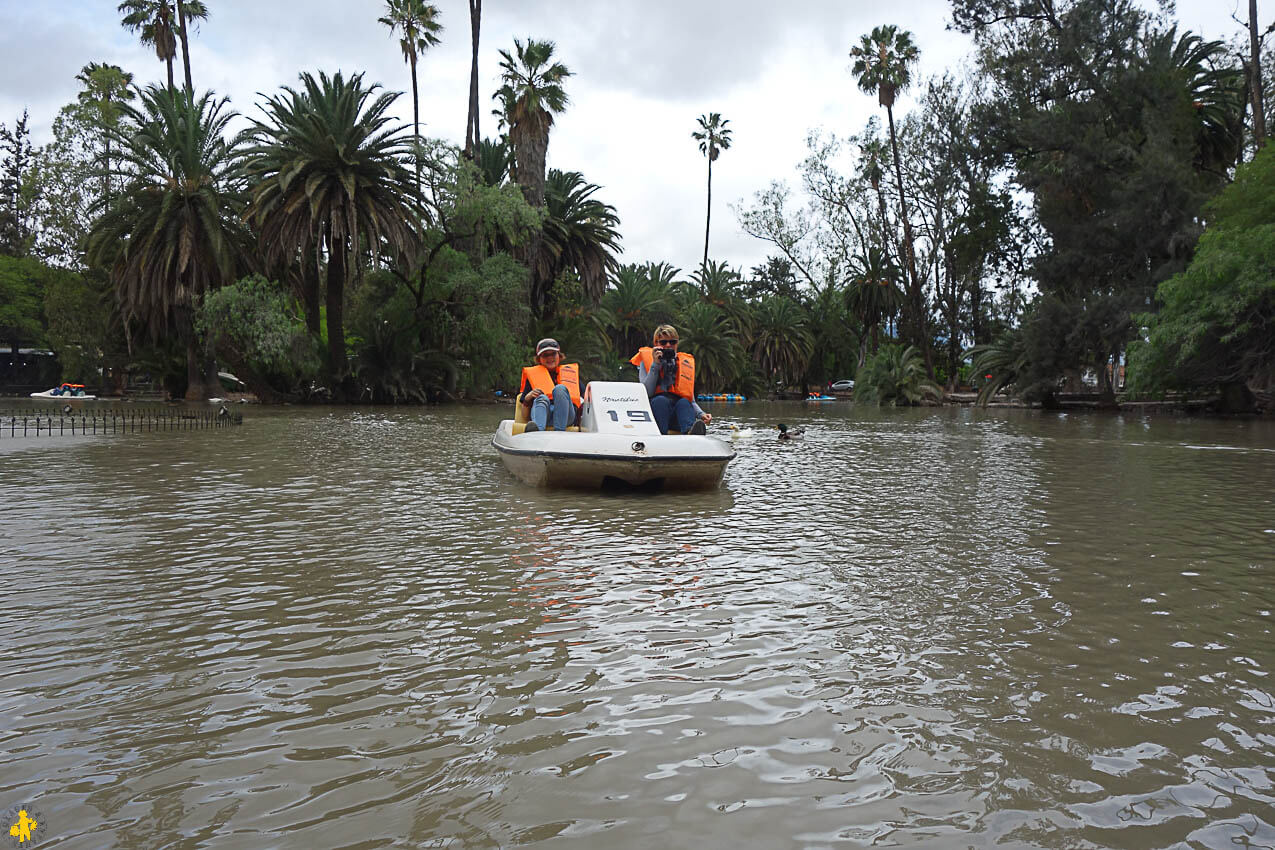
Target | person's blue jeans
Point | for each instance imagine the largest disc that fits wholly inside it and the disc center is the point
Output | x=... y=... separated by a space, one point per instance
x=667 y=407
x=558 y=406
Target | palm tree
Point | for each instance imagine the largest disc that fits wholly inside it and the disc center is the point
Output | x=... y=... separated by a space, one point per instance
x=494 y=160
x=188 y=11
x=153 y=21
x=530 y=95
x=106 y=88
x=418 y=23
x=781 y=340
x=329 y=169
x=713 y=137
x=472 y=134
x=720 y=286
x=580 y=233
x=1216 y=93
x=175 y=232
x=895 y=375
x=641 y=297
x=711 y=336
x=872 y=295
x=883 y=61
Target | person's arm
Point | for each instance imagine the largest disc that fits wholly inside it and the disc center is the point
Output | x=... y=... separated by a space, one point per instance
x=699 y=411
x=649 y=378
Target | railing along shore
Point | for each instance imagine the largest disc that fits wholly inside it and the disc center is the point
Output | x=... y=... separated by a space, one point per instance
x=45 y=423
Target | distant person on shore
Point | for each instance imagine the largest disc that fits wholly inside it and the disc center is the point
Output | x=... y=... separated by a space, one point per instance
x=550 y=389
x=669 y=378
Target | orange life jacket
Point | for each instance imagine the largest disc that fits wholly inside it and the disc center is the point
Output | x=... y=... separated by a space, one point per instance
x=538 y=378
x=685 y=383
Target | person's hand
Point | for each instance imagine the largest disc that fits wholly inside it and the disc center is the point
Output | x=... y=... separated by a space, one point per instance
x=707 y=417
x=532 y=396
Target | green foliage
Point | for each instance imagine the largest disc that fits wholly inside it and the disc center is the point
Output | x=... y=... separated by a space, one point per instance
x=895 y=375
x=78 y=308
x=1216 y=325
x=256 y=324
x=23 y=282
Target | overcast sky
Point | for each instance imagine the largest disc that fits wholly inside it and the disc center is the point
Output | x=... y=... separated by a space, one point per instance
x=643 y=73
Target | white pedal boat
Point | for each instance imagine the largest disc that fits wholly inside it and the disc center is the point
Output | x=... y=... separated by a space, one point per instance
x=617 y=442
x=65 y=392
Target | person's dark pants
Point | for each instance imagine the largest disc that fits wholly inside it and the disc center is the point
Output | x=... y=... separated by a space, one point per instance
x=667 y=407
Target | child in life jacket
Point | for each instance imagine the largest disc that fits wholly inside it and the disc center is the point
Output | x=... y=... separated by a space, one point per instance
x=550 y=389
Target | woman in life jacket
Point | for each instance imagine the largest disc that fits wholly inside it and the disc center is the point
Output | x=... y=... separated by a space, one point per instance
x=669 y=378
x=550 y=389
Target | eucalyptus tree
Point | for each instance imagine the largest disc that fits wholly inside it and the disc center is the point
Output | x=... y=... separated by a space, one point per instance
x=531 y=95
x=175 y=232
x=106 y=88
x=883 y=62
x=417 y=24
x=581 y=234
x=330 y=171
x=713 y=137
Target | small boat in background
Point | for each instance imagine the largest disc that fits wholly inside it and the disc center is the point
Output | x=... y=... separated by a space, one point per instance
x=65 y=391
x=818 y=397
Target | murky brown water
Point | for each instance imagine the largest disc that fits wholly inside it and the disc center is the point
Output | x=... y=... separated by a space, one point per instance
x=942 y=628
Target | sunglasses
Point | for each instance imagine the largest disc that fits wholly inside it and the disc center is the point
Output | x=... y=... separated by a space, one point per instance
x=666 y=342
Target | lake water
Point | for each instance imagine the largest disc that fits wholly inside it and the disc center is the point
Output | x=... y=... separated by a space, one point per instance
x=925 y=628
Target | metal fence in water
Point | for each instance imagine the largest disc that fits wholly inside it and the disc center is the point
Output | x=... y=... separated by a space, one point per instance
x=45 y=423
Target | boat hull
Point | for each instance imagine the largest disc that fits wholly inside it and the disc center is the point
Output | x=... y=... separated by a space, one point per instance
x=592 y=461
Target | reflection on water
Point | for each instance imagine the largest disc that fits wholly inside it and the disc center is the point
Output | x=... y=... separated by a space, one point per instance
x=923 y=628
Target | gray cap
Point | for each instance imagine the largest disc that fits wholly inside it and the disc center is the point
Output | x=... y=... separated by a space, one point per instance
x=547 y=345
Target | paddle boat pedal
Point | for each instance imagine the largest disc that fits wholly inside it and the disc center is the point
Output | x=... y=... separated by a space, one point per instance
x=616 y=442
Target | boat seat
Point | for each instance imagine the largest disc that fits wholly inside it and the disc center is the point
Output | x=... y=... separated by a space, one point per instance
x=520 y=419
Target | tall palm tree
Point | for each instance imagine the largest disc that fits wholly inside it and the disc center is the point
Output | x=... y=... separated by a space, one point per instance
x=154 y=23
x=883 y=63
x=713 y=137
x=472 y=135
x=417 y=21
x=176 y=230
x=106 y=88
x=581 y=233
x=187 y=12
x=530 y=95
x=329 y=169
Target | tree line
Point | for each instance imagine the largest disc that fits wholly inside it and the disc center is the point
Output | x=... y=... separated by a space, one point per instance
x=1033 y=224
